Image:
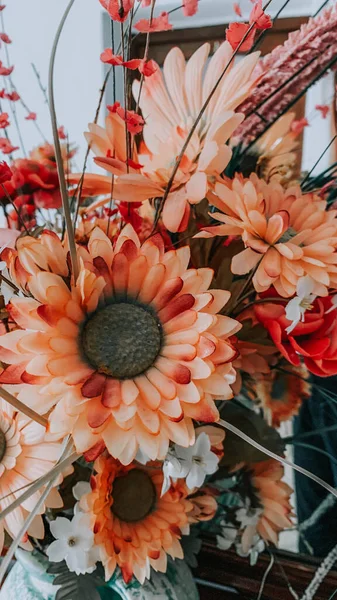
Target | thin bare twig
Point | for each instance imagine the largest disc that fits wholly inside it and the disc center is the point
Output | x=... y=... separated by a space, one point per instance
x=42 y=88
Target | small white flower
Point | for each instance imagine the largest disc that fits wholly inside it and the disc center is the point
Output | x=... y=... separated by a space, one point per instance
x=227 y=537
x=248 y=516
x=173 y=468
x=192 y=463
x=253 y=552
x=74 y=544
x=199 y=460
x=297 y=307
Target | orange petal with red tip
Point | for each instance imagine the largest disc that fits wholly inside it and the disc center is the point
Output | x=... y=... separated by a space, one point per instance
x=148 y=392
x=167 y=292
x=178 y=372
x=179 y=352
x=94 y=452
x=129 y=391
x=176 y=306
x=97 y=414
x=111 y=396
x=164 y=384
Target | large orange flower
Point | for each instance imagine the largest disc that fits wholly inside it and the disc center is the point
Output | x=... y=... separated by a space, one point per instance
x=25 y=455
x=287 y=235
x=135 y=528
x=130 y=355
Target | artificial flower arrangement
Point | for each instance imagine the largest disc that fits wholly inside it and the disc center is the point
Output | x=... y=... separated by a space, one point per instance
x=153 y=313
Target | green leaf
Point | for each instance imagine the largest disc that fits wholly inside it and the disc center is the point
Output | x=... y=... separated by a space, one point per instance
x=74 y=587
x=235 y=449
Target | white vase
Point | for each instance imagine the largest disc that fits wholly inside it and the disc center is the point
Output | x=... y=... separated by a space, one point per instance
x=29 y=580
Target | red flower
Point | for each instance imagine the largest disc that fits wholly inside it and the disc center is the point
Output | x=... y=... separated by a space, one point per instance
x=190 y=7
x=13 y=96
x=237 y=9
x=6 y=147
x=61 y=133
x=2 y=6
x=4 y=37
x=4 y=120
x=109 y=58
x=148 y=68
x=324 y=109
x=315 y=339
x=298 y=126
x=5 y=70
x=31 y=116
x=134 y=122
x=259 y=17
x=3 y=93
x=118 y=9
x=5 y=172
x=160 y=23
x=235 y=33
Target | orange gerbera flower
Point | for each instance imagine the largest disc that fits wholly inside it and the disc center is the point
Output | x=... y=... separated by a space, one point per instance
x=25 y=455
x=287 y=235
x=135 y=528
x=130 y=355
x=281 y=394
x=273 y=496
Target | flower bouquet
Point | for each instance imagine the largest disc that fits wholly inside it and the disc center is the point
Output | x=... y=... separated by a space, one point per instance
x=160 y=318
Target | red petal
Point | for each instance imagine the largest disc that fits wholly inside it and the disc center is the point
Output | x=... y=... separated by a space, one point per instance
x=13 y=373
x=94 y=386
x=94 y=452
x=177 y=306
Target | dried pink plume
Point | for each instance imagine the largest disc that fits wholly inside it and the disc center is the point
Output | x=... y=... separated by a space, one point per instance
x=315 y=41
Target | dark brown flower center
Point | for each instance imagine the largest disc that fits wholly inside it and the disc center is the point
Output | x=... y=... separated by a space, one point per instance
x=134 y=496
x=3 y=445
x=122 y=340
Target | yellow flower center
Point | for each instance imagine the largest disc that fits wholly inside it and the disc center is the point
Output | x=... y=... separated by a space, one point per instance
x=305 y=303
x=122 y=340
x=134 y=496
x=3 y=445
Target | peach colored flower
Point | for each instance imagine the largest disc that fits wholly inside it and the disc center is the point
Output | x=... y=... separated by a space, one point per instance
x=135 y=528
x=287 y=235
x=25 y=455
x=170 y=103
x=131 y=354
x=274 y=497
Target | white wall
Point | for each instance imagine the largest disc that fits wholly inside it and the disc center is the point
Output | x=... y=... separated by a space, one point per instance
x=78 y=73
